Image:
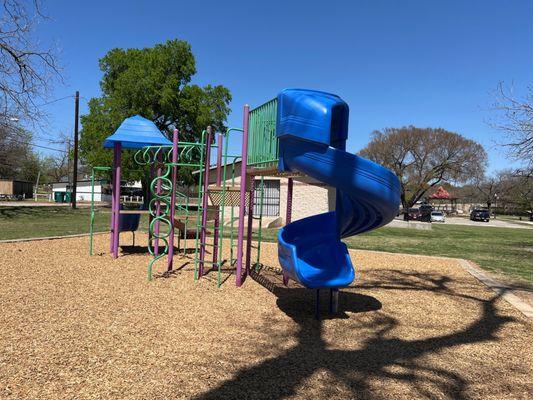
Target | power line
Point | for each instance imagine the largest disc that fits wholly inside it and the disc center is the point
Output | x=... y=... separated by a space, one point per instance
x=56 y=100
x=36 y=145
x=47 y=148
x=70 y=96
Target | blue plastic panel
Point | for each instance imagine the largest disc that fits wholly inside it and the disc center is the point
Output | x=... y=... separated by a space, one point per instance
x=312 y=130
x=312 y=115
x=137 y=132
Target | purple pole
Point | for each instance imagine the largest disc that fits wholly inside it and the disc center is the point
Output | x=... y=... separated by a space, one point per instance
x=218 y=182
x=149 y=199
x=242 y=200
x=158 y=205
x=219 y=159
x=113 y=185
x=205 y=203
x=116 y=233
x=288 y=217
x=173 y=198
x=290 y=185
x=249 y=227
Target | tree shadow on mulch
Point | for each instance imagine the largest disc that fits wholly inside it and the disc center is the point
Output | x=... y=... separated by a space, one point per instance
x=380 y=357
x=128 y=249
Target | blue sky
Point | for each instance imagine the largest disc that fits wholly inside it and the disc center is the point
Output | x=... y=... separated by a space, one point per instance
x=396 y=63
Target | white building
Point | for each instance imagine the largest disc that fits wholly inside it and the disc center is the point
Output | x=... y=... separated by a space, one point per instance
x=310 y=197
x=102 y=191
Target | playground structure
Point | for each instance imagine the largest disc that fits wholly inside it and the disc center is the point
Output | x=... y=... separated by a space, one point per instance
x=299 y=133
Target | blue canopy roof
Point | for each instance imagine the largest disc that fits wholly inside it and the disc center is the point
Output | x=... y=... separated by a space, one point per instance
x=137 y=132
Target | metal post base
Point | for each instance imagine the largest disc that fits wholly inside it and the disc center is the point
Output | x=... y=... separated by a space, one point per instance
x=317 y=305
x=333 y=301
x=285 y=279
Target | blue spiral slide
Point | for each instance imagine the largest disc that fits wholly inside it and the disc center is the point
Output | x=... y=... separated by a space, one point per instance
x=312 y=128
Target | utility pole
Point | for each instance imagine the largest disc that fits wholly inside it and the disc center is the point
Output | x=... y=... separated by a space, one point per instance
x=68 y=165
x=75 y=169
x=36 y=186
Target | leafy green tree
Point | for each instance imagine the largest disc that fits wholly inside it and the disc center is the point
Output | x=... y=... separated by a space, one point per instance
x=155 y=83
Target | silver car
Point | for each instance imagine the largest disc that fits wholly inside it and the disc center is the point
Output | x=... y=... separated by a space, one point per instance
x=437 y=216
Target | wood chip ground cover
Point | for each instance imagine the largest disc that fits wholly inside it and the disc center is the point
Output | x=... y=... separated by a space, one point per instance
x=80 y=327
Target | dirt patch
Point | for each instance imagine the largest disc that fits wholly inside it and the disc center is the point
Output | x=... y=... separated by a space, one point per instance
x=74 y=326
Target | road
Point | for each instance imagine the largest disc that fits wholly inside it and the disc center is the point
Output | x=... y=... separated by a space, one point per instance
x=495 y=223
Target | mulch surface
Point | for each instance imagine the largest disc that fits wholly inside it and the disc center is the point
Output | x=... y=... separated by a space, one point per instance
x=79 y=327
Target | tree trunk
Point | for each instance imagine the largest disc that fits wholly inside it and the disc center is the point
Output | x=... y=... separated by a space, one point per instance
x=404 y=206
x=145 y=186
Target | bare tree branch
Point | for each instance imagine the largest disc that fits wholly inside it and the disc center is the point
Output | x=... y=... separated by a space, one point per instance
x=27 y=69
x=424 y=158
x=514 y=116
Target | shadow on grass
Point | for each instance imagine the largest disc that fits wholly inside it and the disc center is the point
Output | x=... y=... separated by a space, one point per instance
x=381 y=356
x=29 y=211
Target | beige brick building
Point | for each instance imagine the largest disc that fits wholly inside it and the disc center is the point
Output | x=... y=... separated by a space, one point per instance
x=310 y=197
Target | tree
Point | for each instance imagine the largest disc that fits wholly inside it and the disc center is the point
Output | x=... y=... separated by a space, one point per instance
x=492 y=188
x=155 y=83
x=518 y=191
x=524 y=194
x=15 y=151
x=55 y=168
x=425 y=157
x=514 y=116
x=27 y=69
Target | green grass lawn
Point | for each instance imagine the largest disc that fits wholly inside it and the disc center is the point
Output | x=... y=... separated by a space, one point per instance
x=515 y=219
x=26 y=222
x=499 y=250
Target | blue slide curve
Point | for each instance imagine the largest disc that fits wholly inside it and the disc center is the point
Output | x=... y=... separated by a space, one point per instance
x=312 y=128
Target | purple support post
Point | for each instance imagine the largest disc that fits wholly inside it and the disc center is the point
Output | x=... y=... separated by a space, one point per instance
x=205 y=203
x=149 y=200
x=290 y=185
x=218 y=183
x=113 y=185
x=288 y=217
x=249 y=232
x=158 y=204
x=173 y=198
x=219 y=159
x=242 y=200
x=116 y=233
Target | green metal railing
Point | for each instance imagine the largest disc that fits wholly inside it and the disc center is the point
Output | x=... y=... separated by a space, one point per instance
x=263 y=149
x=263 y=153
x=228 y=172
x=161 y=190
x=190 y=154
x=91 y=222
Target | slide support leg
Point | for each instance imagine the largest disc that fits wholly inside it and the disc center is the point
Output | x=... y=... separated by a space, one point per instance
x=333 y=300
x=317 y=305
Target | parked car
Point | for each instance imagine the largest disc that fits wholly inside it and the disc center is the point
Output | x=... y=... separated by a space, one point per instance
x=414 y=214
x=437 y=216
x=480 y=214
x=420 y=214
x=425 y=212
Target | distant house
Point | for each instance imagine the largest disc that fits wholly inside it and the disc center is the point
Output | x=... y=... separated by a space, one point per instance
x=102 y=190
x=310 y=197
x=10 y=188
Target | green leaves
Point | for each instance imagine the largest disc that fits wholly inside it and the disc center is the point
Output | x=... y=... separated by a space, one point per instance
x=154 y=83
